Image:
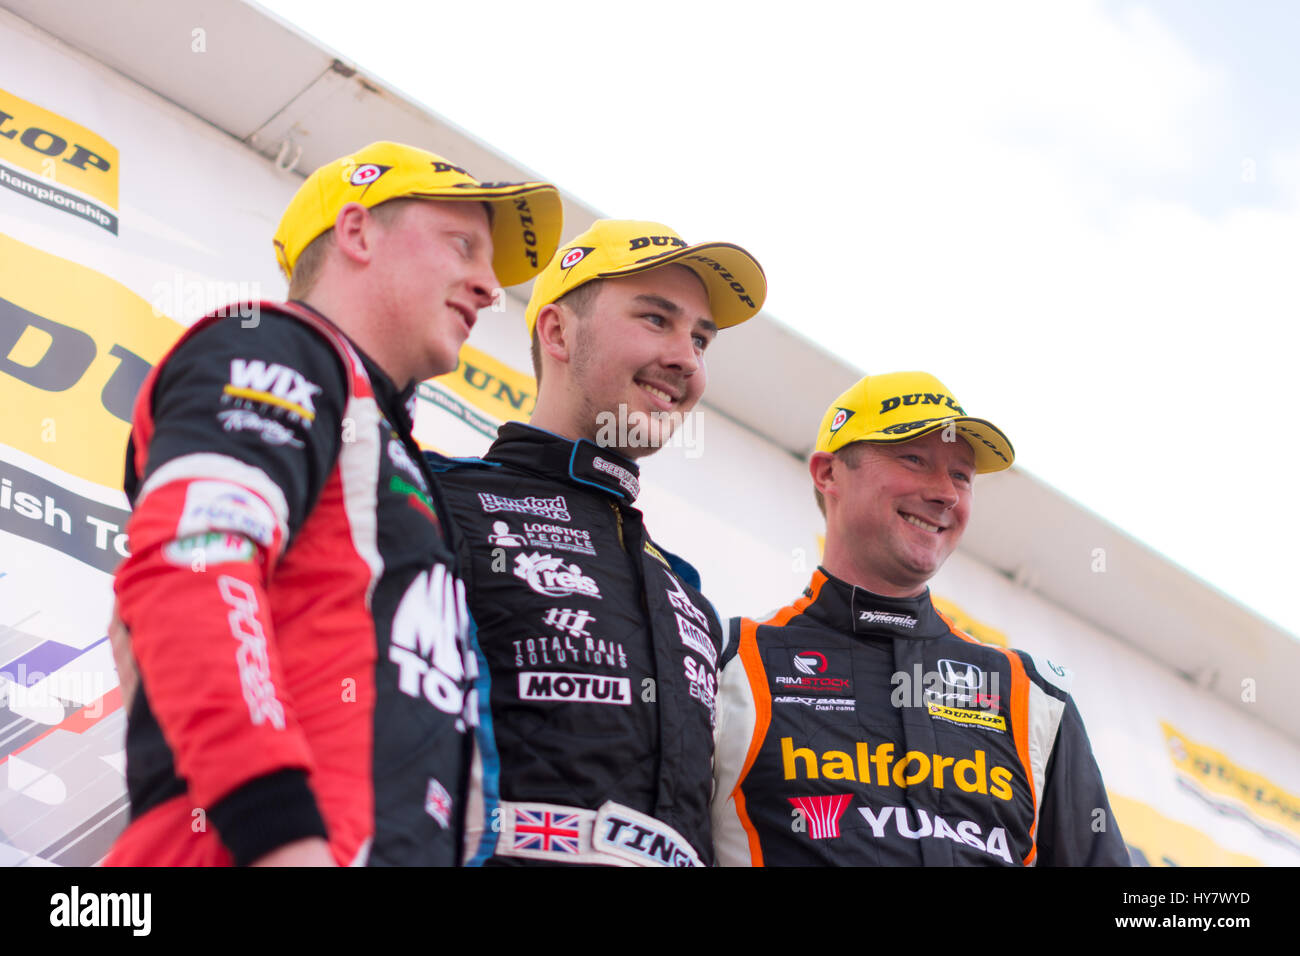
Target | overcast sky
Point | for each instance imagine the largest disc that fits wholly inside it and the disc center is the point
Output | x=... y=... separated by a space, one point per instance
x=1083 y=216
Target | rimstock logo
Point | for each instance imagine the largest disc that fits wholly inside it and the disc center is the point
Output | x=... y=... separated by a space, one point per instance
x=58 y=163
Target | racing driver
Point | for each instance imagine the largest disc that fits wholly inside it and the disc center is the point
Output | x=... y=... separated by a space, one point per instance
x=858 y=726
x=600 y=651
x=305 y=675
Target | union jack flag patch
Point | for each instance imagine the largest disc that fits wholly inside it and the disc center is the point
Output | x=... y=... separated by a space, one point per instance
x=547 y=831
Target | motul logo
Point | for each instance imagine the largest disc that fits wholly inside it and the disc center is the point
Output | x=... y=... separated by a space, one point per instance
x=823 y=813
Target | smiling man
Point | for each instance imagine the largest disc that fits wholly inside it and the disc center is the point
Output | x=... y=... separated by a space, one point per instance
x=305 y=671
x=600 y=652
x=858 y=726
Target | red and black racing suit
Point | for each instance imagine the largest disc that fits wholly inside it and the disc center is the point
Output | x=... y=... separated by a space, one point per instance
x=860 y=730
x=301 y=639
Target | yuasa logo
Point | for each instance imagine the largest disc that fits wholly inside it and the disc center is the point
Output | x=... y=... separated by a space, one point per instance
x=967 y=832
x=551 y=576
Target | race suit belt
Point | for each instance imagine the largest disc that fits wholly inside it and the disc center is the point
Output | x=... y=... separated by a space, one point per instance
x=614 y=835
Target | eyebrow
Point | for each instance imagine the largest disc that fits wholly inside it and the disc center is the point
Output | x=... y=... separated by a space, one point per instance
x=667 y=305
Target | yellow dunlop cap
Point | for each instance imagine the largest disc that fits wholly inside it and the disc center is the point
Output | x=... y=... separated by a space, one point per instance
x=619 y=247
x=900 y=406
x=527 y=218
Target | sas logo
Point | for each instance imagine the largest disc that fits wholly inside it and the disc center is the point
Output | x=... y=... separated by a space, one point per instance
x=253 y=380
x=823 y=814
x=575 y=255
x=549 y=575
x=367 y=173
x=810 y=662
x=842 y=415
x=71 y=168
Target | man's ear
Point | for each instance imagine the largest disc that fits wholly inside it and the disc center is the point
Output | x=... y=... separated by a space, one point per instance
x=354 y=232
x=821 y=467
x=555 y=332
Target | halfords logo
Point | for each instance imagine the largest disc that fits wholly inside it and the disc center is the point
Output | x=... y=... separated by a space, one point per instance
x=912 y=769
x=966 y=833
x=551 y=576
x=556 y=508
x=887 y=617
x=579 y=688
x=823 y=814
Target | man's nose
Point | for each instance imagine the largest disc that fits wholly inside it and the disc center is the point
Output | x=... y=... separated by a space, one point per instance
x=485 y=287
x=682 y=353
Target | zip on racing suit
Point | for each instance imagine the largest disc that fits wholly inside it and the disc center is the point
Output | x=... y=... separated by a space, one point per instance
x=300 y=636
x=862 y=730
x=600 y=660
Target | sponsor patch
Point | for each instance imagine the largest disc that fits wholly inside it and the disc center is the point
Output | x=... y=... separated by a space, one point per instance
x=697 y=640
x=807 y=673
x=823 y=813
x=842 y=415
x=279 y=386
x=702 y=684
x=430 y=643
x=251 y=658
x=961 y=715
x=887 y=617
x=222 y=506
x=966 y=832
x=401 y=460
x=556 y=509
x=575 y=255
x=245 y=420
x=537 y=534
x=576 y=688
x=549 y=575
x=367 y=173
x=437 y=803
x=819 y=703
x=214 y=547
x=679 y=599
x=568 y=621
x=625 y=478
x=551 y=651
x=883 y=767
x=640 y=838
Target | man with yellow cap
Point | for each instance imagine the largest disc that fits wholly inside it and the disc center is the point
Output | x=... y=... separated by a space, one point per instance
x=305 y=665
x=858 y=726
x=599 y=652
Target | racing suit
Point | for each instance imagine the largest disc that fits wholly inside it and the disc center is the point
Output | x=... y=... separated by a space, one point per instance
x=301 y=640
x=863 y=730
x=600 y=660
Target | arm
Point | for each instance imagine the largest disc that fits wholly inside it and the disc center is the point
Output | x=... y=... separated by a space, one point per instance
x=1076 y=826
x=226 y=484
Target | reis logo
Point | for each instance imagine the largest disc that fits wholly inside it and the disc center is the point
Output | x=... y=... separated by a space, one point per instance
x=551 y=576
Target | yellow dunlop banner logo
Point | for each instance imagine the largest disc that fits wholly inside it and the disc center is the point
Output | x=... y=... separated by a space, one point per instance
x=491 y=386
x=49 y=158
x=1213 y=774
x=75 y=347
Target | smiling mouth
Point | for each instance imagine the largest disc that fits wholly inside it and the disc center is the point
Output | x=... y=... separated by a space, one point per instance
x=659 y=393
x=466 y=315
x=920 y=523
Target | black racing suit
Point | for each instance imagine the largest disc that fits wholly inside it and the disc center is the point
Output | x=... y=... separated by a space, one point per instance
x=859 y=730
x=600 y=658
